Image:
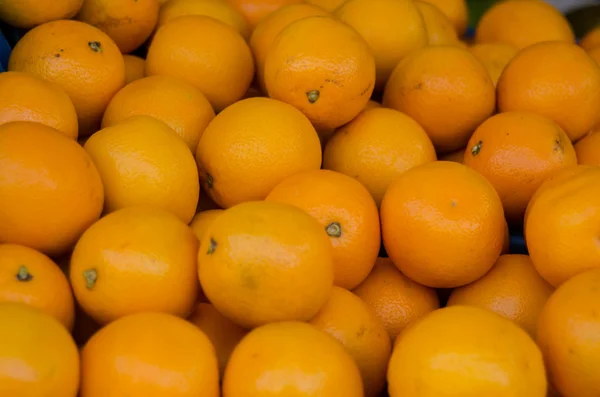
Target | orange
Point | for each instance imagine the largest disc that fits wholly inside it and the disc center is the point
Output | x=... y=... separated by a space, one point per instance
x=267 y=30
x=494 y=57
x=179 y=104
x=160 y=251
x=452 y=224
x=556 y=80
x=128 y=23
x=50 y=191
x=523 y=23
x=591 y=39
x=328 y=5
x=392 y=28
x=594 y=53
x=457 y=156
x=456 y=11
x=440 y=30
x=347 y=213
x=30 y=277
x=568 y=332
x=222 y=332
x=349 y=320
x=466 y=351
x=206 y=53
x=262 y=262
x=142 y=162
x=218 y=9
x=134 y=68
x=394 y=298
x=512 y=288
x=376 y=147
x=150 y=355
x=256 y=10
x=28 y=13
x=202 y=220
x=516 y=152
x=291 y=359
x=322 y=67
x=252 y=146
x=29 y=98
x=588 y=148
x=446 y=90
x=80 y=58
x=41 y=358
x=560 y=224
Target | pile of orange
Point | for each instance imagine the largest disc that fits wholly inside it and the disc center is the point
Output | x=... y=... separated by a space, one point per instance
x=290 y=198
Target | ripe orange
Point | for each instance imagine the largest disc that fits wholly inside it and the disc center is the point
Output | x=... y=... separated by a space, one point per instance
x=179 y=104
x=523 y=23
x=206 y=53
x=376 y=147
x=327 y=5
x=559 y=224
x=202 y=220
x=161 y=276
x=516 y=152
x=322 y=67
x=446 y=90
x=568 y=332
x=291 y=359
x=394 y=298
x=512 y=288
x=456 y=11
x=262 y=262
x=128 y=23
x=494 y=57
x=452 y=224
x=591 y=39
x=80 y=58
x=29 y=98
x=557 y=80
x=466 y=351
x=439 y=28
x=457 y=156
x=142 y=162
x=50 y=191
x=256 y=10
x=134 y=68
x=28 y=13
x=252 y=146
x=588 y=148
x=218 y=9
x=392 y=28
x=150 y=355
x=594 y=53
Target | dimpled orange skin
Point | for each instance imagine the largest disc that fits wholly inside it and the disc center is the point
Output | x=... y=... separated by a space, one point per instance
x=440 y=30
x=28 y=13
x=457 y=12
x=267 y=30
x=452 y=224
x=80 y=58
x=322 y=67
x=561 y=224
x=291 y=359
x=494 y=56
x=160 y=252
x=252 y=146
x=149 y=355
x=134 y=68
x=568 y=333
x=523 y=23
x=591 y=39
x=202 y=220
x=391 y=28
x=262 y=262
x=394 y=298
x=588 y=148
x=172 y=100
x=41 y=358
x=32 y=99
x=256 y=10
x=465 y=351
x=206 y=53
x=50 y=191
x=557 y=80
x=516 y=152
x=376 y=147
x=446 y=90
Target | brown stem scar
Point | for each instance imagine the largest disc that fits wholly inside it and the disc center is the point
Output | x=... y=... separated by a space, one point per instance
x=313 y=96
x=212 y=247
x=96 y=46
x=334 y=229
x=477 y=148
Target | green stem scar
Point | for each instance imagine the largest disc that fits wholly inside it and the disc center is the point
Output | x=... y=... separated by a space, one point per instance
x=313 y=96
x=96 y=46
x=90 y=276
x=209 y=180
x=334 y=229
x=23 y=274
x=476 y=149
x=212 y=247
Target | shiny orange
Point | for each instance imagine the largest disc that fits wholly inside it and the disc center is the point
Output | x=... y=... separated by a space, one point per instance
x=202 y=220
x=446 y=90
x=150 y=355
x=594 y=53
x=588 y=148
x=206 y=53
x=28 y=13
x=50 y=191
x=322 y=67
x=494 y=57
x=134 y=68
x=559 y=224
x=288 y=359
x=256 y=10
x=440 y=30
x=591 y=39
x=376 y=147
x=261 y=262
x=161 y=252
x=452 y=224
x=456 y=11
